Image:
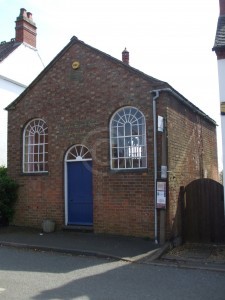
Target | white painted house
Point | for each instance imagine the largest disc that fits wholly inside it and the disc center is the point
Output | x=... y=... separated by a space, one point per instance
x=219 y=48
x=20 y=63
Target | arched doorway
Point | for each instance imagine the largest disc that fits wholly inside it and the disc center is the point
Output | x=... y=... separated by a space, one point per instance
x=78 y=186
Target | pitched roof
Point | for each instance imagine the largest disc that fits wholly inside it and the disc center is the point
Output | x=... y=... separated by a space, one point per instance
x=220 y=34
x=6 y=48
x=158 y=84
x=74 y=40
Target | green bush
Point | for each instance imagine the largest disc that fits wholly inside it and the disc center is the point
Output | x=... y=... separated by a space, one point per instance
x=8 y=196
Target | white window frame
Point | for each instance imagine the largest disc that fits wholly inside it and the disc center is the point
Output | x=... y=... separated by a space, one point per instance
x=128 y=149
x=35 y=147
x=76 y=153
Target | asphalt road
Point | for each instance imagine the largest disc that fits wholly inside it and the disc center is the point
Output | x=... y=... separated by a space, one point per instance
x=26 y=274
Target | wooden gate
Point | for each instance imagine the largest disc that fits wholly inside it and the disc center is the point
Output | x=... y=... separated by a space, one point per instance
x=203 y=211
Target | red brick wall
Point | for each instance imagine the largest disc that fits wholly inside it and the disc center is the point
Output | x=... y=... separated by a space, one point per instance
x=26 y=32
x=77 y=106
x=192 y=154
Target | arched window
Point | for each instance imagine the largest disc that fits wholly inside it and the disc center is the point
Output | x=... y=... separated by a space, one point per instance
x=78 y=153
x=128 y=139
x=35 y=147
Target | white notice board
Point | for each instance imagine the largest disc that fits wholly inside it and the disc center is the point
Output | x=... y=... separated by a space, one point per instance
x=161 y=194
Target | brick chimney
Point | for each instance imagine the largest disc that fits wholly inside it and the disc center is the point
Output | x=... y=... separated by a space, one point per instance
x=222 y=7
x=125 y=56
x=26 y=28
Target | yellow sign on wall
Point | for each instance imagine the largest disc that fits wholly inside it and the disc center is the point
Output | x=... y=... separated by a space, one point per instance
x=222 y=108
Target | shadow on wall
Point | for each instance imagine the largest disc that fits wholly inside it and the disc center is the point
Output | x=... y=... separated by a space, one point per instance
x=176 y=237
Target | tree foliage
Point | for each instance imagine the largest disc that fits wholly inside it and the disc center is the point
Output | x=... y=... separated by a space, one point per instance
x=8 y=196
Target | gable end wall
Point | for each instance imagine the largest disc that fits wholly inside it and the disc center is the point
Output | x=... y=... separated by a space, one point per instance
x=77 y=106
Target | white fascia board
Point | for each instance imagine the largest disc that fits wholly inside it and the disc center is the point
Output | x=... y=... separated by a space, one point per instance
x=221 y=77
x=13 y=81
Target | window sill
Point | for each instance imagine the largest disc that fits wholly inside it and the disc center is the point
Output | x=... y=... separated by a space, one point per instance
x=142 y=170
x=35 y=174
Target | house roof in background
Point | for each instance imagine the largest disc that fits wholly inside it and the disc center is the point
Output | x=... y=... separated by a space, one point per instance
x=220 y=34
x=7 y=47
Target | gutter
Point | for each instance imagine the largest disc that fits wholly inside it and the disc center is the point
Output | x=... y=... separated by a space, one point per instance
x=155 y=94
x=13 y=81
x=187 y=103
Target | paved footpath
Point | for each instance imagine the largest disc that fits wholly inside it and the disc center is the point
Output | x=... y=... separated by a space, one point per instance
x=80 y=243
x=139 y=250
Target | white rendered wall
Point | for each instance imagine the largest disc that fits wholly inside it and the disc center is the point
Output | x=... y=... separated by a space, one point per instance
x=221 y=76
x=22 y=65
x=9 y=91
x=221 y=73
x=17 y=71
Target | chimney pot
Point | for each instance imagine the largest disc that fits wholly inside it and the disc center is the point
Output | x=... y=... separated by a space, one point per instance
x=125 y=56
x=222 y=7
x=23 y=13
x=29 y=15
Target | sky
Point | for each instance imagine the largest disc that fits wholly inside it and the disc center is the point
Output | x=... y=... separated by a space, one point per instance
x=169 y=40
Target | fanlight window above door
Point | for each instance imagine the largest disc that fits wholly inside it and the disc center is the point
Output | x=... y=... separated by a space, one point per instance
x=78 y=153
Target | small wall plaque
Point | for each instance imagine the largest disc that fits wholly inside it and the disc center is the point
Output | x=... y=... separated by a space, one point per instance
x=75 y=64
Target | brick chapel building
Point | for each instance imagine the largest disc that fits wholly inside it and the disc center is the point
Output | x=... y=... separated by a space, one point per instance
x=95 y=143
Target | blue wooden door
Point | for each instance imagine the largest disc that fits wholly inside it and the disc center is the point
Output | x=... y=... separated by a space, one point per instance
x=80 y=198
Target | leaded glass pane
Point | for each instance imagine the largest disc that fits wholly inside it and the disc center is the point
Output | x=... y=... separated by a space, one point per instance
x=121 y=142
x=120 y=130
x=127 y=129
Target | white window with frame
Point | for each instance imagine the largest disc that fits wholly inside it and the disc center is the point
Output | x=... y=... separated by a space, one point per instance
x=128 y=139
x=35 y=147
